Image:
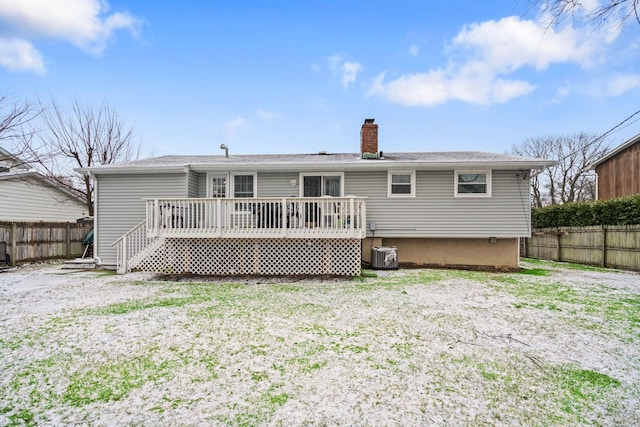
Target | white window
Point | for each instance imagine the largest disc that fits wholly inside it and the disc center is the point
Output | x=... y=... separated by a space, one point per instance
x=472 y=183
x=319 y=184
x=401 y=184
x=244 y=185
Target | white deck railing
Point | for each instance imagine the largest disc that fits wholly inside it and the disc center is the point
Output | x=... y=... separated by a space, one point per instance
x=324 y=217
x=132 y=245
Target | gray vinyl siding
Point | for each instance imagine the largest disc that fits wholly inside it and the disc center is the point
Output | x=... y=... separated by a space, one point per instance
x=192 y=184
x=29 y=199
x=435 y=212
x=202 y=185
x=120 y=206
x=278 y=184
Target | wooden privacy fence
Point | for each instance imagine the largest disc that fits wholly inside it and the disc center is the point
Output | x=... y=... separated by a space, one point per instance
x=34 y=241
x=607 y=246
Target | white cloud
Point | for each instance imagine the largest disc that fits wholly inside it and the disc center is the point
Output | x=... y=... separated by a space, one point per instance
x=83 y=23
x=483 y=56
x=20 y=55
x=511 y=43
x=562 y=93
x=437 y=87
x=414 y=50
x=621 y=84
x=346 y=70
x=268 y=116
x=232 y=127
x=349 y=72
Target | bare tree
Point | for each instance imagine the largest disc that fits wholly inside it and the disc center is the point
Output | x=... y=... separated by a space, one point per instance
x=565 y=181
x=82 y=137
x=620 y=11
x=15 y=120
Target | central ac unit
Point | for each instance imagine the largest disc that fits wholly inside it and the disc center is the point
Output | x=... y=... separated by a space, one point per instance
x=384 y=258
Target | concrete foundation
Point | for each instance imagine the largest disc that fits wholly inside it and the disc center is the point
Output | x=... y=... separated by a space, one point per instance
x=501 y=254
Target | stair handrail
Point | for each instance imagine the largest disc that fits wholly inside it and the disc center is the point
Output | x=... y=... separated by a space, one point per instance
x=130 y=244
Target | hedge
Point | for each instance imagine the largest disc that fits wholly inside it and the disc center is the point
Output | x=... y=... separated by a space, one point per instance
x=621 y=211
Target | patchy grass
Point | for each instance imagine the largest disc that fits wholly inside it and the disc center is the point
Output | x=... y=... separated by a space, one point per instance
x=570 y=266
x=596 y=306
x=399 y=346
x=112 y=381
x=535 y=271
x=130 y=306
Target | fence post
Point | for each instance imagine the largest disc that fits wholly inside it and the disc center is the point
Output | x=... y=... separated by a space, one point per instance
x=14 y=244
x=67 y=240
x=559 y=254
x=604 y=246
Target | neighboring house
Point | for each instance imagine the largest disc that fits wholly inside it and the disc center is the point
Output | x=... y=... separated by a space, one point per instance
x=311 y=213
x=26 y=195
x=618 y=173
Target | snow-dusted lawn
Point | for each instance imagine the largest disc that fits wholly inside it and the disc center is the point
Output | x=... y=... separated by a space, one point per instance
x=556 y=346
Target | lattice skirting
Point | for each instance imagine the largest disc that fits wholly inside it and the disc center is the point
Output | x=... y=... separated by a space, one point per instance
x=264 y=257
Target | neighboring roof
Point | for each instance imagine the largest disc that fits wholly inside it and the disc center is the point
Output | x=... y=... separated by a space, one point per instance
x=342 y=161
x=618 y=150
x=7 y=158
x=23 y=170
x=11 y=175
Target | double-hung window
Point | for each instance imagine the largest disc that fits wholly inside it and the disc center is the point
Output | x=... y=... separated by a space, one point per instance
x=244 y=185
x=401 y=184
x=472 y=183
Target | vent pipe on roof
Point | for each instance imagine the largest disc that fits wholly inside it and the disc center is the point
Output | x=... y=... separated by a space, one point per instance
x=226 y=150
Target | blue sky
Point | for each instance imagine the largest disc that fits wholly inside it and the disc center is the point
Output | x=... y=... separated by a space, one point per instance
x=300 y=76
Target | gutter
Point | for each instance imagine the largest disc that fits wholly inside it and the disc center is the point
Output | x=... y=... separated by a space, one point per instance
x=372 y=165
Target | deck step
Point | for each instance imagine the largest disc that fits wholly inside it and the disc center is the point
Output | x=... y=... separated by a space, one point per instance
x=80 y=264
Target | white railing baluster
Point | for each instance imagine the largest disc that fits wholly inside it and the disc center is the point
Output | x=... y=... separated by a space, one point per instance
x=313 y=217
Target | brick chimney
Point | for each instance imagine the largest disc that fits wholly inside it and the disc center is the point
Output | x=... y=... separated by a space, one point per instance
x=369 y=140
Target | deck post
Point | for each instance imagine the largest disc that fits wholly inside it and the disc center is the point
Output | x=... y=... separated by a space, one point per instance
x=123 y=268
x=283 y=224
x=219 y=217
x=363 y=219
x=155 y=225
x=353 y=216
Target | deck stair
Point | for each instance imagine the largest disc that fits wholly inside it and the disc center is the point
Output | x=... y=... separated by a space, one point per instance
x=79 y=264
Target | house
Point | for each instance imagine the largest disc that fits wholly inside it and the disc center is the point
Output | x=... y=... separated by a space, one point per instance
x=28 y=196
x=618 y=173
x=319 y=213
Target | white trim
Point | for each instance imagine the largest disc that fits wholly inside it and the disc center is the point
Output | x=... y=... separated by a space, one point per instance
x=231 y=190
x=412 y=182
x=466 y=171
x=210 y=176
x=96 y=234
x=296 y=166
x=322 y=174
